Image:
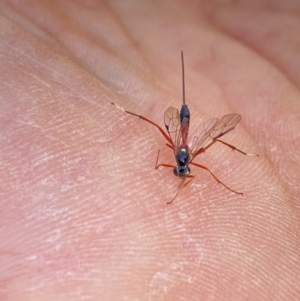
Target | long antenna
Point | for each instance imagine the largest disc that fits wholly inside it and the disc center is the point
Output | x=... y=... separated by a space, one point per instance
x=183 y=83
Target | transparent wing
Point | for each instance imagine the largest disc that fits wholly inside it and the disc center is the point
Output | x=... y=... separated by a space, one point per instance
x=172 y=124
x=212 y=129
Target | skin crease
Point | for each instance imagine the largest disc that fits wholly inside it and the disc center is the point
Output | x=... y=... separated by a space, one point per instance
x=83 y=212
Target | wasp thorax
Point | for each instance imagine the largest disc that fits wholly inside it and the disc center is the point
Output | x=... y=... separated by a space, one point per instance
x=182 y=157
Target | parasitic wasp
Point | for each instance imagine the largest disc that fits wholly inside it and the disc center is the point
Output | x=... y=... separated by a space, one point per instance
x=185 y=148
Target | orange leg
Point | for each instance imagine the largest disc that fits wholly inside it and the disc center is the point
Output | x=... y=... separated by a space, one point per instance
x=202 y=150
x=204 y=167
x=191 y=178
x=147 y=120
x=227 y=144
x=164 y=165
x=234 y=148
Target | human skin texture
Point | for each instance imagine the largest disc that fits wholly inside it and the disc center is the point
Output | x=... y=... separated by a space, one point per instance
x=83 y=213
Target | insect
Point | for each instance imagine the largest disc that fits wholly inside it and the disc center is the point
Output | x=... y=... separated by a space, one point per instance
x=187 y=149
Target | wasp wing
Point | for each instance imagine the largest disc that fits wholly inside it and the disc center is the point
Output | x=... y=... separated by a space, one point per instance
x=172 y=124
x=212 y=129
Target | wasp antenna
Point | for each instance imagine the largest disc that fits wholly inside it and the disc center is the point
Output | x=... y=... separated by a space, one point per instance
x=183 y=83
